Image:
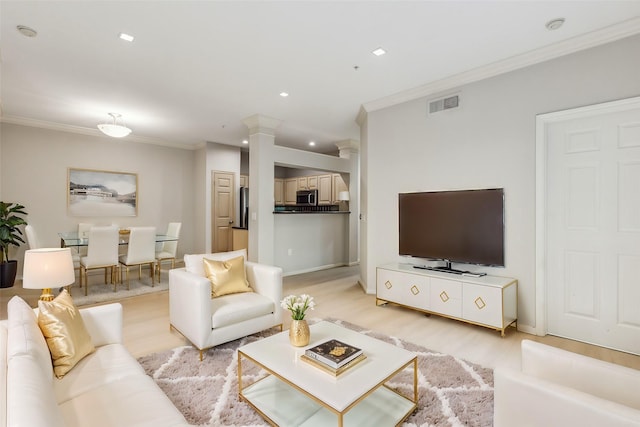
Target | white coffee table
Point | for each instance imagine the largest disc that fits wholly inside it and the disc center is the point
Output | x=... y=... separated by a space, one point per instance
x=299 y=394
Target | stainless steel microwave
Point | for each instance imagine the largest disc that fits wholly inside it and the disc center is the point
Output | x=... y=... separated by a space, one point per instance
x=307 y=197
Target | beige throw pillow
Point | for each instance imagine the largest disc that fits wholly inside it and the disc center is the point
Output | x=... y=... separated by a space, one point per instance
x=65 y=333
x=226 y=277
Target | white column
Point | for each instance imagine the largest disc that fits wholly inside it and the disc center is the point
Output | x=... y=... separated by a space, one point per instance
x=350 y=149
x=261 y=199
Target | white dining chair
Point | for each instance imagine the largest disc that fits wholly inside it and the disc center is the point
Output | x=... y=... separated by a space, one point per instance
x=102 y=252
x=141 y=250
x=32 y=238
x=168 y=250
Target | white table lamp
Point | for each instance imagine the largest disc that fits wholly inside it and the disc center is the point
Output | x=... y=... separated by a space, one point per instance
x=47 y=268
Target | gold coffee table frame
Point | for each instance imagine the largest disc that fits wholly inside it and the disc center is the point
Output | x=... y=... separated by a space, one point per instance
x=288 y=389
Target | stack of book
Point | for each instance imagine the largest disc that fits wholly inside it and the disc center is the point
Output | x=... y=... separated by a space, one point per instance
x=333 y=356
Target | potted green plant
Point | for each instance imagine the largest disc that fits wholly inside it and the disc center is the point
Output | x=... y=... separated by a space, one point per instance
x=10 y=234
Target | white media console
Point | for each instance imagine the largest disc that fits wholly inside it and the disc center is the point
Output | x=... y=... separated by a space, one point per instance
x=488 y=301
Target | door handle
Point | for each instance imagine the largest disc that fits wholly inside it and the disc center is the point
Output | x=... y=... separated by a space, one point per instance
x=230 y=221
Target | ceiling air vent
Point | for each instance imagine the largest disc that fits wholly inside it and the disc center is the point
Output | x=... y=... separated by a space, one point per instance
x=444 y=104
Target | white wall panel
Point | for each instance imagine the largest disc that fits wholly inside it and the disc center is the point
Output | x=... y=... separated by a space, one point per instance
x=629 y=135
x=582 y=141
x=629 y=196
x=581 y=201
x=628 y=290
x=581 y=283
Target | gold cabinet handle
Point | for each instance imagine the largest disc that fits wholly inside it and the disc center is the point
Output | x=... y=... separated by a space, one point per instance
x=480 y=303
x=388 y=284
x=444 y=297
x=415 y=290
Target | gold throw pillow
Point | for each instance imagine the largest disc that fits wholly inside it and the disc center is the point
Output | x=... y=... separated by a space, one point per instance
x=65 y=333
x=226 y=277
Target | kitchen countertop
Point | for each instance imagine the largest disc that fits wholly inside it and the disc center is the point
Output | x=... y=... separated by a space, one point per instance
x=311 y=212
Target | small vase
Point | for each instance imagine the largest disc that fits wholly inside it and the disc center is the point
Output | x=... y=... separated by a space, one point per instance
x=299 y=333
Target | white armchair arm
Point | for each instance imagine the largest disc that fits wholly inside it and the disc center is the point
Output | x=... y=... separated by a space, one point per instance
x=190 y=305
x=266 y=280
x=560 y=388
x=104 y=323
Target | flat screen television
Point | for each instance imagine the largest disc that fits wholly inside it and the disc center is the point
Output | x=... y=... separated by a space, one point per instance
x=465 y=226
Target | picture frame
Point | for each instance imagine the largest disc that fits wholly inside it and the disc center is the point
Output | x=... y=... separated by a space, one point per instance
x=93 y=192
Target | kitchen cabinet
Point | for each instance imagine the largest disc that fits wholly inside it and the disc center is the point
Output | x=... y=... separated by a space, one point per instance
x=338 y=186
x=324 y=189
x=312 y=182
x=290 y=188
x=240 y=238
x=278 y=191
x=488 y=301
x=303 y=183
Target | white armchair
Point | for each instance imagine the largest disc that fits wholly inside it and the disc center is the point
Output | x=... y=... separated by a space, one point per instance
x=560 y=388
x=208 y=322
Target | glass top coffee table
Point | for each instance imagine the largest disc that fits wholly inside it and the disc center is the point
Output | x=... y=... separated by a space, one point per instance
x=296 y=393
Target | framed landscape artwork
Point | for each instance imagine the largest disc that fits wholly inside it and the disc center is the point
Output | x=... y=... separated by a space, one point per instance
x=101 y=193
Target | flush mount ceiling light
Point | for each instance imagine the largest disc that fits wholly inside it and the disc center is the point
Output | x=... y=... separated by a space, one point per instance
x=554 y=24
x=126 y=37
x=379 y=51
x=114 y=129
x=27 y=31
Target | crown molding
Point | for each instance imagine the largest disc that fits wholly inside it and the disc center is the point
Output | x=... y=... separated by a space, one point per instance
x=42 y=124
x=592 y=39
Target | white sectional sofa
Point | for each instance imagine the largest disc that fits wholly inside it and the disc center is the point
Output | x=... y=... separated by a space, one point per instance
x=107 y=388
x=560 y=388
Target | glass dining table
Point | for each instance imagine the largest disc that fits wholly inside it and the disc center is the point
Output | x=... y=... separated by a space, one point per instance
x=73 y=239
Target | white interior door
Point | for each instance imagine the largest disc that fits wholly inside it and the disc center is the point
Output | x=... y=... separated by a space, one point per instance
x=593 y=227
x=223 y=209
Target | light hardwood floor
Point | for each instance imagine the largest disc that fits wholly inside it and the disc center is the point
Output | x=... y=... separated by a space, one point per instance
x=338 y=295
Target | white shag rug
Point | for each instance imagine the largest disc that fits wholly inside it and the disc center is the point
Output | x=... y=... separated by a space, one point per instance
x=452 y=392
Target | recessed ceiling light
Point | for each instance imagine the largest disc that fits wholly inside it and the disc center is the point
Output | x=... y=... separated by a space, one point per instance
x=27 y=31
x=126 y=37
x=312 y=143
x=379 y=52
x=284 y=94
x=554 y=24
x=244 y=141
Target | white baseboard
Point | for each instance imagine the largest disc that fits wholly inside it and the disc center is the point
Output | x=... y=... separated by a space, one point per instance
x=310 y=270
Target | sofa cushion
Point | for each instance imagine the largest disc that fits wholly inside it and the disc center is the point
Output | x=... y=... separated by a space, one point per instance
x=65 y=333
x=226 y=277
x=30 y=398
x=133 y=401
x=236 y=308
x=107 y=364
x=25 y=337
x=195 y=265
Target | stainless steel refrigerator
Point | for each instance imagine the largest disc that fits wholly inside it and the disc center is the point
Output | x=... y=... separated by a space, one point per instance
x=244 y=207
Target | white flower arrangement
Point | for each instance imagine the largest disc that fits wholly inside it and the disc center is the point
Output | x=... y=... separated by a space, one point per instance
x=298 y=305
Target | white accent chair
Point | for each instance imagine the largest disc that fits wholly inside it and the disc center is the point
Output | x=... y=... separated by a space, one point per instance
x=141 y=250
x=32 y=238
x=208 y=322
x=560 y=388
x=102 y=252
x=168 y=250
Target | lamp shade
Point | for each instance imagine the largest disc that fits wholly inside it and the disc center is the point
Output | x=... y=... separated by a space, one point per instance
x=47 y=268
x=343 y=196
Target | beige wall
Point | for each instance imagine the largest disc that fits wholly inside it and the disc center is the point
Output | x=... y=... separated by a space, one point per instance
x=33 y=172
x=488 y=142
